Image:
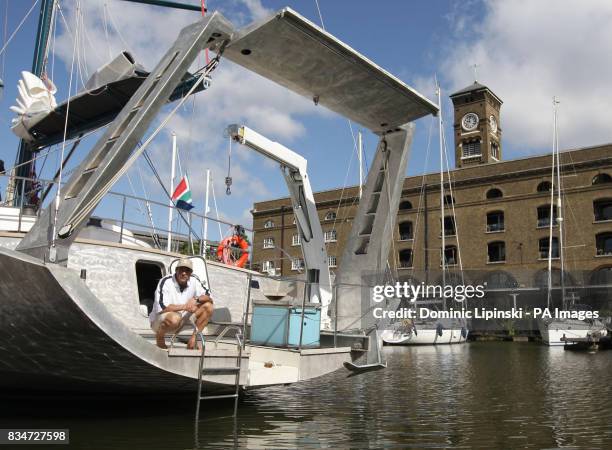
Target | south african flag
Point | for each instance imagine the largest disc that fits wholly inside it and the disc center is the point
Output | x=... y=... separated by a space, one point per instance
x=182 y=195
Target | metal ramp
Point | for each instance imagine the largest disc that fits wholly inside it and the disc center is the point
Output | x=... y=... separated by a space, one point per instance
x=97 y=173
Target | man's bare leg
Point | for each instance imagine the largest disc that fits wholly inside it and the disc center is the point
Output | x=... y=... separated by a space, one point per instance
x=202 y=316
x=169 y=325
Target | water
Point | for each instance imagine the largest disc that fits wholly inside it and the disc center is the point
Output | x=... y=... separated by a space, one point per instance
x=479 y=395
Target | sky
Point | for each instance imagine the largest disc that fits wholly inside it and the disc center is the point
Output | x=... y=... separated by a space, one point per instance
x=525 y=51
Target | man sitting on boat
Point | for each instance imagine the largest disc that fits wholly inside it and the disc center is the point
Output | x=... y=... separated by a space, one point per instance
x=180 y=298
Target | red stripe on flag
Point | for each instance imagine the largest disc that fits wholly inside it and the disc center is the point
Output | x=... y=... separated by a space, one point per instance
x=180 y=189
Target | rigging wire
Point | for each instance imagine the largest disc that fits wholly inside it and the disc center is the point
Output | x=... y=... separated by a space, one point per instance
x=422 y=192
x=59 y=182
x=18 y=28
x=89 y=206
x=4 y=33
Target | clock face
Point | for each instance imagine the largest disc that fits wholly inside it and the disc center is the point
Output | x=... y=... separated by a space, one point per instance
x=493 y=124
x=469 y=121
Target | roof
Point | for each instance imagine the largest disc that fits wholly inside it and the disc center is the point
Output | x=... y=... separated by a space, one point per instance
x=475 y=86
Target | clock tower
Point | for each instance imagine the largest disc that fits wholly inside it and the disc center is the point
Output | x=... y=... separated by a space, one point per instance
x=476 y=126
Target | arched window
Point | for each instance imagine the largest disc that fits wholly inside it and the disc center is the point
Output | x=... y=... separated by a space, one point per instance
x=495 y=221
x=541 y=278
x=450 y=255
x=494 y=193
x=496 y=251
x=543 y=247
x=544 y=216
x=330 y=236
x=471 y=149
x=405 y=231
x=544 y=186
x=331 y=215
x=602 y=209
x=269 y=224
x=449 y=200
x=603 y=242
x=405 y=205
x=405 y=258
x=601 y=178
x=500 y=280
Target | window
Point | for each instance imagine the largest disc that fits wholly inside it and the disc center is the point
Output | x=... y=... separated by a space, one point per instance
x=449 y=226
x=544 y=186
x=331 y=261
x=544 y=216
x=405 y=258
x=297 y=264
x=495 y=221
x=268 y=266
x=603 y=241
x=296 y=239
x=495 y=150
x=268 y=242
x=405 y=231
x=330 y=216
x=330 y=236
x=450 y=255
x=494 y=193
x=269 y=224
x=602 y=178
x=471 y=149
x=602 y=209
x=405 y=205
x=496 y=251
x=543 y=247
x=449 y=200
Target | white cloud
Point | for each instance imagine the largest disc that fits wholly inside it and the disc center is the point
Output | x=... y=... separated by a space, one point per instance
x=236 y=95
x=528 y=52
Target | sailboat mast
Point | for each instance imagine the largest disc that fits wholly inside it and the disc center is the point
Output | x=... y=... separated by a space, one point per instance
x=171 y=190
x=205 y=231
x=443 y=231
x=559 y=201
x=24 y=153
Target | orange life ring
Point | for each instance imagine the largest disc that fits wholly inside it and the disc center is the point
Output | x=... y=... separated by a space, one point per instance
x=228 y=246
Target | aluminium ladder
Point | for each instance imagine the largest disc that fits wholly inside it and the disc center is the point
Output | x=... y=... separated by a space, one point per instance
x=235 y=369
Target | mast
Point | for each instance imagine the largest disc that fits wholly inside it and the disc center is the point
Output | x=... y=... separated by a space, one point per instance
x=205 y=230
x=443 y=240
x=24 y=153
x=171 y=190
x=559 y=201
x=552 y=205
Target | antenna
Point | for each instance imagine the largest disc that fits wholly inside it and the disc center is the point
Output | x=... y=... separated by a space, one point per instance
x=474 y=67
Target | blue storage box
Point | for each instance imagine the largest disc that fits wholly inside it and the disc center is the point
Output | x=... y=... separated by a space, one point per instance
x=278 y=325
x=312 y=327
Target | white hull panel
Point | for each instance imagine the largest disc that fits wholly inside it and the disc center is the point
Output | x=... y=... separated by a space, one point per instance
x=553 y=333
x=427 y=336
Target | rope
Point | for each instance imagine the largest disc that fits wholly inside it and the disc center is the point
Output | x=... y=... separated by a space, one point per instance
x=59 y=182
x=89 y=206
x=320 y=16
x=17 y=29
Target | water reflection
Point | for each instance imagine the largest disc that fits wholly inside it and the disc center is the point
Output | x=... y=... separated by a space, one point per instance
x=480 y=395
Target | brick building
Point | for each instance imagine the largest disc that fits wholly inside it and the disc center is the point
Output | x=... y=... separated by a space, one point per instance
x=502 y=208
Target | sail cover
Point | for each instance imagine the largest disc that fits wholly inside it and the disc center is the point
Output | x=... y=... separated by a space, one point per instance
x=294 y=52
